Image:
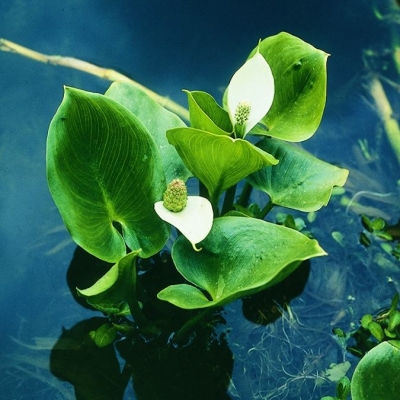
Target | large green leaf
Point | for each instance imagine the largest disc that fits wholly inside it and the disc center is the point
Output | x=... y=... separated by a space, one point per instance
x=207 y=115
x=376 y=376
x=217 y=160
x=105 y=174
x=299 y=71
x=300 y=180
x=240 y=256
x=157 y=120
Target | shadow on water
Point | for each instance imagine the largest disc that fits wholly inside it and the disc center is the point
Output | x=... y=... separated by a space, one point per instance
x=159 y=369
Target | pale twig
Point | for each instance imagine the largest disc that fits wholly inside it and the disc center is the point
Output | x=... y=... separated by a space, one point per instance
x=385 y=112
x=104 y=73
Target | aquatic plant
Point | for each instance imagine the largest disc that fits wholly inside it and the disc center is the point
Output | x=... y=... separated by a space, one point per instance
x=377 y=342
x=121 y=168
x=110 y=157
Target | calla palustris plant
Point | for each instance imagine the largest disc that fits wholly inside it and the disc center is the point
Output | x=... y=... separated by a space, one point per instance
x=117 y=165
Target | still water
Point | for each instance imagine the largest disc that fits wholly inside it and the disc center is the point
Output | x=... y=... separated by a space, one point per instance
x=196 y=45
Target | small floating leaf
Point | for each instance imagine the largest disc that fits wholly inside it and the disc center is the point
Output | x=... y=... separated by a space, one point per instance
x=105 y=335
x=376 y=331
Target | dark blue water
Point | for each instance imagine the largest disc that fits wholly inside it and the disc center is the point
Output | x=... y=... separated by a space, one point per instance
x=167 y=46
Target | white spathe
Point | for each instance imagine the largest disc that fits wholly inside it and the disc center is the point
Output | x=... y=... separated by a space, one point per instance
x=194 y=221
x=253 y=86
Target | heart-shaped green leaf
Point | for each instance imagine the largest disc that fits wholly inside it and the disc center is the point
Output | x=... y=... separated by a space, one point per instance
x=207 y=115
x=300 y=180
x=112 y=291
x=377 y=374
x=240 y=256
x=299 y=71
x=217 y=160
x=105 y=174
x=157 y=120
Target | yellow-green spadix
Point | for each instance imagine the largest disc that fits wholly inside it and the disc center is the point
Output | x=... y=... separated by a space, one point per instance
x=194 y=220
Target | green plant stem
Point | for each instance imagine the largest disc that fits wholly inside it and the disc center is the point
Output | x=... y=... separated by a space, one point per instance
x=245 y=195
x=142 y=322
x=182 y=335
x=268 y=207
x=214 y=202
x=133 y=302
x=136 y=313
x=228 y=200
x=203 y=192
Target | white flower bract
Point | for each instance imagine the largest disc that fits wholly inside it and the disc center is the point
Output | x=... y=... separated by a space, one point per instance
x=194 y=221
x=253 y=85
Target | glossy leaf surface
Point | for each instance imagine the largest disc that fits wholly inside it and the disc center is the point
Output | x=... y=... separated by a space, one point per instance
x=207 y=115
x=299 y=71
x=104 y=173
x=300 y=180
x=217 y=160
x=377 y=374
x=157 y=120
x=240 y=256
x=110 y=293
